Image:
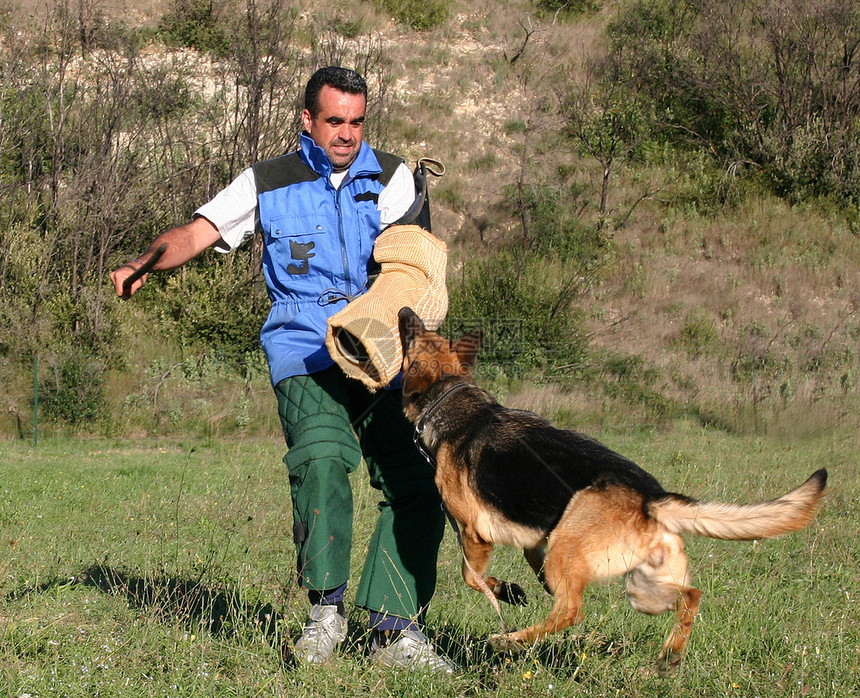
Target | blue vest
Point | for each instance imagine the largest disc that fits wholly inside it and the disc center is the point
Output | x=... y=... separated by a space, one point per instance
x=317 y=247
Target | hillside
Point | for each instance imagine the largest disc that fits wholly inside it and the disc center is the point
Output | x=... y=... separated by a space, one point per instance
x=688 y=284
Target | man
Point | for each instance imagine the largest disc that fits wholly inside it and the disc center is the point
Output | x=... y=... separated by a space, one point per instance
x=319 y=210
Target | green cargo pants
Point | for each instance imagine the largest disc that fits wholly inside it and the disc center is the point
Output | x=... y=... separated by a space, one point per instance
x=330 y=422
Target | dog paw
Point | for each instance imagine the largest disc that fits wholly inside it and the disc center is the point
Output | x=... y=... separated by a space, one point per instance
x=510 y=593
x=668 y=666
x=504 y=643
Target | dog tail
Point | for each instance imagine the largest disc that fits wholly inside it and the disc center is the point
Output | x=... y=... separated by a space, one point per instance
x=791 y=512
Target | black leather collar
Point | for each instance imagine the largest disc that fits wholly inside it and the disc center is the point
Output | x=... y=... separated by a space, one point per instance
x=422 y=423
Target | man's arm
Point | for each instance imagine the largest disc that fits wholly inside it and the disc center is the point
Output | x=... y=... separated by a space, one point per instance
x=184 y=242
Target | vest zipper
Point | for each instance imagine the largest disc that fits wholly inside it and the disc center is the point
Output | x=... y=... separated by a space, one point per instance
x=344 y=256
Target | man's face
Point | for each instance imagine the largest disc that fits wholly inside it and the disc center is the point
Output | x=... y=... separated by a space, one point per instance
x=339 y=125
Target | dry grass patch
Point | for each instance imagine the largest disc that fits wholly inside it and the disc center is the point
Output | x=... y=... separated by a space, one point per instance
x=759 y=306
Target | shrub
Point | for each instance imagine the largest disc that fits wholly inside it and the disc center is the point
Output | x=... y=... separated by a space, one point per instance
x=511 y=298
x=215 y=304
x=420 y=15
x=698 y=334
x=194 y=24
x=570 y=7
x=522 y=293
x=347 y=27
x=750 y=84
x=627 y=378
x=73 y=389
x=553 y=228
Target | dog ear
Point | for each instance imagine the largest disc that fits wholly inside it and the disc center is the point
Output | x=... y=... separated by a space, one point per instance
x=410 y=325
x=467 y=348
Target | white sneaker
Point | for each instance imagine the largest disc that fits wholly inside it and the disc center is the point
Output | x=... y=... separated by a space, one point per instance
x=324 y=631
x=411 y=650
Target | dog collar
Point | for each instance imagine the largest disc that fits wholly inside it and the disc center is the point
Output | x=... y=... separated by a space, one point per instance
x=421 y=425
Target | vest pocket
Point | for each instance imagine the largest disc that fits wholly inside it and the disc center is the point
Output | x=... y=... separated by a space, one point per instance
x=295 y=241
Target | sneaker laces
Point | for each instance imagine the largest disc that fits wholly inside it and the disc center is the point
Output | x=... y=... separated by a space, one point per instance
x=411 y=649
x=324 y=631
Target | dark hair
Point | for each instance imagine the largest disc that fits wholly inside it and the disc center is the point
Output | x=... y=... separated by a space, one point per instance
x=342 y=79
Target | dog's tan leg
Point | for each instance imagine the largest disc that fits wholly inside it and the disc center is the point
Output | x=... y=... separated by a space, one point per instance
x=661 y=583
x=673 y=649
x=567 y=578
x=476 y=559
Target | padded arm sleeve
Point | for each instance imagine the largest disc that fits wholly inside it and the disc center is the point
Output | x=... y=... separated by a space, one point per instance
x=363 y=338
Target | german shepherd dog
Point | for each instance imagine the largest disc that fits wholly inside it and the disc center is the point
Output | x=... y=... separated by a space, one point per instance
x=579 y=511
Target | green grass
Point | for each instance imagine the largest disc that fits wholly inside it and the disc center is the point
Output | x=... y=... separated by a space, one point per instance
x=134 y=568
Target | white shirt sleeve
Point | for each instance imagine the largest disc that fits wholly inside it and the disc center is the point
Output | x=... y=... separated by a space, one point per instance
x=233 y=211
x=397 y=197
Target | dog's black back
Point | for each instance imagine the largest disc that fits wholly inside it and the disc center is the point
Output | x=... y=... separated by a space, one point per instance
x=526 y=468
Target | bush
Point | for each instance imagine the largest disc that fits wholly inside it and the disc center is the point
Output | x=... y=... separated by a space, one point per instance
x=194 y=24
x=510 y=297
x=554 y=229
x=73 y=389
x=522 y=293
x=420 y=15
x=699 y=334
x=215 y=304
x=627 y=378
x=569 y=7
x=749 y=84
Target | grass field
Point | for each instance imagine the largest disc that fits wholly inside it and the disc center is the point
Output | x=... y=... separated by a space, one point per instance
x=135 y=568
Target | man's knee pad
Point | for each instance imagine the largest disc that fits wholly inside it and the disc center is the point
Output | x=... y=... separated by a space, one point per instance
x=321 y=439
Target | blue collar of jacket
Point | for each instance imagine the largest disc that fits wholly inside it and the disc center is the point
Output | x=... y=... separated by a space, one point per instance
x=365 y=163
